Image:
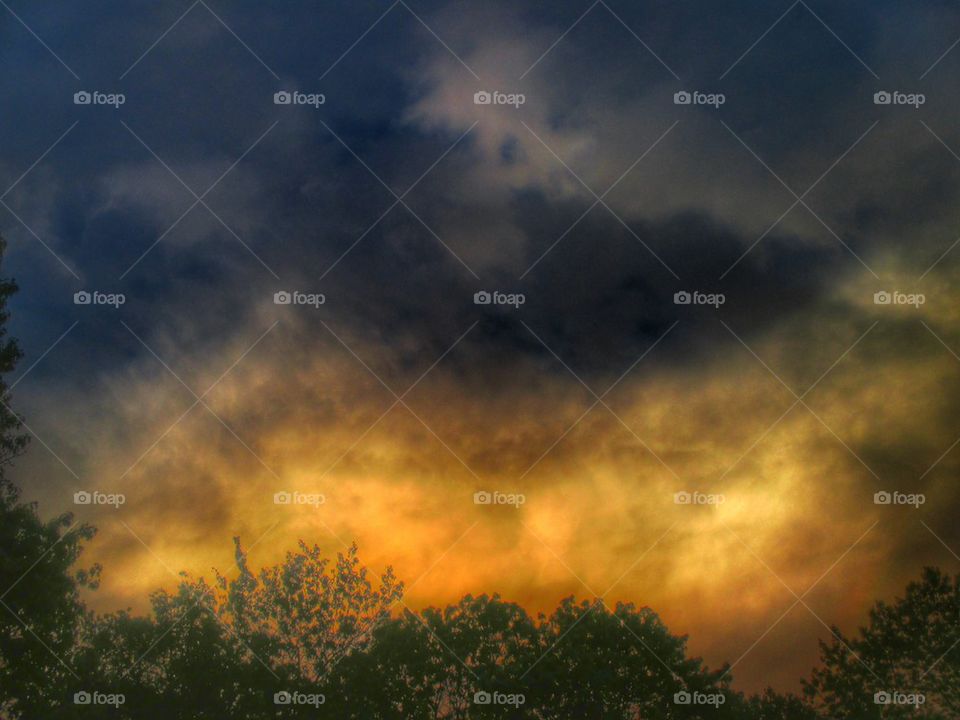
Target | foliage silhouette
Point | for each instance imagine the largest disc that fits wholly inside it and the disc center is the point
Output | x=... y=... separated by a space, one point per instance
x=910 y=646
x=40 y=615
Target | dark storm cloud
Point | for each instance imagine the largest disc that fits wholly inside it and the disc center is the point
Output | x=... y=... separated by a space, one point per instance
x=300 y=199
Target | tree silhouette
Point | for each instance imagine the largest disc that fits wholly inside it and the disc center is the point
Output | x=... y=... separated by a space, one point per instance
x=770 y=705
x=320 y=629
x=431 y=664
x=210 y=651
x=40 y=615
x=619 y=663
x=910 y=647
x=582 y=661
x=303 y=616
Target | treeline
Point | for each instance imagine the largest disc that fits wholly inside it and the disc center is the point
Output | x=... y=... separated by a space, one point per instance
x=314 y=637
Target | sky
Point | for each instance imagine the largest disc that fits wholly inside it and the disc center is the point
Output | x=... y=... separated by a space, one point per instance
x=584 y=198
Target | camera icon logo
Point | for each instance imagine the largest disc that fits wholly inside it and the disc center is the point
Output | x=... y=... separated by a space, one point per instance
x=682 y=498
x=882 y=698
x=282 y=298
x=482 y=97
x=82 y=298
x=282 y=98
x=882 y=298
x=482 y=498
x=82 y=498
x=82 y=98
x=282 y=698
x=682 y=98
x=882 y=98
x=882 y=498
x=482 y=298
x=682 y=298
x=682 y=698
x=482 y=697
x=282 y=498
x=82 y=698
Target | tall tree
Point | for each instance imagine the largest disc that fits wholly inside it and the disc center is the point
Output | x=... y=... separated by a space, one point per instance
x=228 y=649
x=904 y=663
x=40 y=608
